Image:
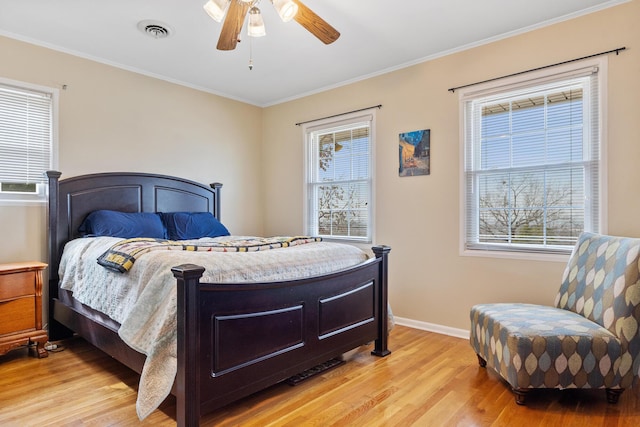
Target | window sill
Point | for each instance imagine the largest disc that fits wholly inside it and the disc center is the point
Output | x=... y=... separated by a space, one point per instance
x=22 y=202
x=519 y=255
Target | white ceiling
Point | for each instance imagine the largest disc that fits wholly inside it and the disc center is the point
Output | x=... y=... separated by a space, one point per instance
x=376 y=36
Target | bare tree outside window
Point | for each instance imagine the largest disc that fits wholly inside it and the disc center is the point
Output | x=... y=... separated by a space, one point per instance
x=341 y=211
x=529 y=209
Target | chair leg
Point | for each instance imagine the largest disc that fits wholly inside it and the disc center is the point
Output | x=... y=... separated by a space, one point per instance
x=521 y=395
x=613 y=394
x=481 y=361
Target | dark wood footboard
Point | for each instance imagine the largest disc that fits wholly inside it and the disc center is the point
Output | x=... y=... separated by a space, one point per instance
x=236 y=339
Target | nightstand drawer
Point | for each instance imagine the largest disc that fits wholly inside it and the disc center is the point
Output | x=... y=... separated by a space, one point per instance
x=17 y=315
x=17 y=284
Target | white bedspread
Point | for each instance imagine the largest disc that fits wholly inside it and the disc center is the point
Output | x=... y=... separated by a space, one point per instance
x=143 y=300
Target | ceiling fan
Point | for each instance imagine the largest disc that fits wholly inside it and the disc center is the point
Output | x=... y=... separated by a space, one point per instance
x=237 y=10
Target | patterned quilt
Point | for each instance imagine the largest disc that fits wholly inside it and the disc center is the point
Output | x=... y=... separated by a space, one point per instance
x=121 y=256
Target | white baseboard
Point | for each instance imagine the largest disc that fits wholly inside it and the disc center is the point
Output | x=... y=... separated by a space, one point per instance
x=432 y=327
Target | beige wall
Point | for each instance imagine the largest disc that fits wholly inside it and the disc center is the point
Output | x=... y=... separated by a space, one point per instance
x=116 y=120
x=112 y=119
x=419 y=216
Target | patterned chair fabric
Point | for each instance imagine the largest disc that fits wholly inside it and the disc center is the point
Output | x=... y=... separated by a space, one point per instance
x=590 y=339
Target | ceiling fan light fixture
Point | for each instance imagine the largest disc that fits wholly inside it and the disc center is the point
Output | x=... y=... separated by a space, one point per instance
x=287 y=9
x=256 y=23
x=216 y=9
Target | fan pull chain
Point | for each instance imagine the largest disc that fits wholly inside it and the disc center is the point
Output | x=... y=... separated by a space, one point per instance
x=250 y=54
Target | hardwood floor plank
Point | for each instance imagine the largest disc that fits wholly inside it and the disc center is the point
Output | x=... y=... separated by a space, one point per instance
x=428 y=380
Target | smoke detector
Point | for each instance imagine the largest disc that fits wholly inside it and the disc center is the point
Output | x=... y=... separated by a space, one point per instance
x=155 y=29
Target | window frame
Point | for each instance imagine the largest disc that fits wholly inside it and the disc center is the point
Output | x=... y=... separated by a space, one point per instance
x=40 y=196
x=330 y=123
x=538 y=78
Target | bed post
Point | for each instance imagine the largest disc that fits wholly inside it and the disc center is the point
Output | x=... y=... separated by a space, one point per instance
x=56 y=330
x=52 y=219
x=187 y=377
x=216 y=189
x=380 y=348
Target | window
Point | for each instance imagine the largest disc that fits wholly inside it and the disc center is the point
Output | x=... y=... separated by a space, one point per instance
x=27 y=137
x=339 y=184
x=532 y=161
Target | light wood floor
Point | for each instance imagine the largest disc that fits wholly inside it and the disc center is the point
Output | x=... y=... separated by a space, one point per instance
x=428 y=380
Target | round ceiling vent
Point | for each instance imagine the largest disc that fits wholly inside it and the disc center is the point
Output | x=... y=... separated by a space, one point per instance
x=155 y=29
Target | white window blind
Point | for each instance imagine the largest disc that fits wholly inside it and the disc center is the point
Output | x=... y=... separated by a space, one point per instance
x=26 y=141
x=532 y=164
x=339 y=179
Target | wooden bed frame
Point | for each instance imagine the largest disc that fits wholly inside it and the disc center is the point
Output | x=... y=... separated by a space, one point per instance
x=233 y=339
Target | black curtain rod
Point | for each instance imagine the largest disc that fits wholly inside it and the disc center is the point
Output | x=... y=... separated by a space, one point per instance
x=617 y=51
x=341 y=114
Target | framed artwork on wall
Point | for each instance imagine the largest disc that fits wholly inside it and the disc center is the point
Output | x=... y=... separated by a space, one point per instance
x=415 y=153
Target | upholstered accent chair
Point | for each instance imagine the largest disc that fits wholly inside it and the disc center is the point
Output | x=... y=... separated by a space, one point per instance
x=590 y=339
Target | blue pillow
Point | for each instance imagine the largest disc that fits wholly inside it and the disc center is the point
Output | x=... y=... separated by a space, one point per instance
x=123 y=224
x=192 y=225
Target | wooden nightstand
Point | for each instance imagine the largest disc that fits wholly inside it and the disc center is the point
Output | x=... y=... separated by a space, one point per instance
x=21 y=307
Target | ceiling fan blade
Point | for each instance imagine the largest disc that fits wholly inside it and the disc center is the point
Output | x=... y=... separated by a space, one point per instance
x=232 y=25
x=315 y=25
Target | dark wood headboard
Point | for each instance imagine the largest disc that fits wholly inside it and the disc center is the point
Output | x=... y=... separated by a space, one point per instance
x=72 y=199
